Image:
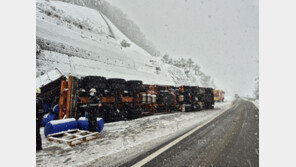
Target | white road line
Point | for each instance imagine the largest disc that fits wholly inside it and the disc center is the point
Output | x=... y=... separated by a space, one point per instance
x=163 y=149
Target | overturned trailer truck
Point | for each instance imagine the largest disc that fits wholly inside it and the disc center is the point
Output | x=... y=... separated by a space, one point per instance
x=123 y=99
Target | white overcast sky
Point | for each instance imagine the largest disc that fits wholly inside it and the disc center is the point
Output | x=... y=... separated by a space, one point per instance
x=220 y=35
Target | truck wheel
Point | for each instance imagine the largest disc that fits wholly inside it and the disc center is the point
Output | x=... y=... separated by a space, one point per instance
x=116 y=84
x=96 y=82
x=134 y=85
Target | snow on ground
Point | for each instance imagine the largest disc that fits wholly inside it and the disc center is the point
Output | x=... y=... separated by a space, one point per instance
x=256 y=103
x=81 y=41
x=121 y=141
x=77 y=41
x=228 y=97
x=253 y=100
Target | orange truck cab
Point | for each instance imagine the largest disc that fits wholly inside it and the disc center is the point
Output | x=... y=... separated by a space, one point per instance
x=219 y=95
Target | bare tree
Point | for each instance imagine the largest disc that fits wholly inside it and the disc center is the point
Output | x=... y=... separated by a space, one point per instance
x=190 y=63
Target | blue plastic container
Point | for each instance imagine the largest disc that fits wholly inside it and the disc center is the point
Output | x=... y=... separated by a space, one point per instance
x=46 y=107
x=83 y=124
x=56 y=126
x=47 y=118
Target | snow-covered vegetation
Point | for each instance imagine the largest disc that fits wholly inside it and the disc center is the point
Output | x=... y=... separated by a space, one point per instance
x=77 y=38
x=191 y=69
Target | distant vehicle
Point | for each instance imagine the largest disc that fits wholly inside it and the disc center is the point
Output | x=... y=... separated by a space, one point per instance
x=219 y=95
x=236 y=96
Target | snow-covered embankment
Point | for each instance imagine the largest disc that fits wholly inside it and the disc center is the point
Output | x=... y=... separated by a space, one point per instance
x=121 y=141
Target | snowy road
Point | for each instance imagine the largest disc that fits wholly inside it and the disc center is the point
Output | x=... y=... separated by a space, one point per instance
x=230 y=140
x=120 y=142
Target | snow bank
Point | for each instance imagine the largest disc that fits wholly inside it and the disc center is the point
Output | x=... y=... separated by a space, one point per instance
x=256 y=103
x=77 y=40
x=81 y=41
x=48 y=77
x=179 y=77
x=124 y=140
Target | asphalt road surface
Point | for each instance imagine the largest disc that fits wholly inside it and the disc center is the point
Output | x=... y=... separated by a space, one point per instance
x=232 y=139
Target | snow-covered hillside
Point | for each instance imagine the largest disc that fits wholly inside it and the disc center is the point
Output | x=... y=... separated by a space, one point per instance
x=81 y=41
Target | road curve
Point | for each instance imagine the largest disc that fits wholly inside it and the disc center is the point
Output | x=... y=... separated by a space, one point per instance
x=232 y=139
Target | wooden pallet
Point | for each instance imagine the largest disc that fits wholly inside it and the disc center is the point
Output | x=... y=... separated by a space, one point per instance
x=73 y=137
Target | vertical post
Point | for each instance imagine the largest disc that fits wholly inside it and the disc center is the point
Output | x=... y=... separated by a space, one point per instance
x=62 y=99
x=69 y=97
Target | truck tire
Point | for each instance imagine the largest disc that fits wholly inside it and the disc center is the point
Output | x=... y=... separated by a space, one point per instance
x=134 y=85
x=96 y=82
x=116 y=84
x=194 y=89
